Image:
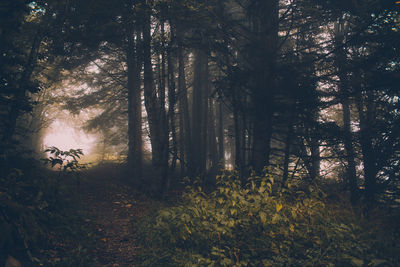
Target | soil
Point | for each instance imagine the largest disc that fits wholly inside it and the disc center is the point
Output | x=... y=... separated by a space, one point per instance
x=111 y=206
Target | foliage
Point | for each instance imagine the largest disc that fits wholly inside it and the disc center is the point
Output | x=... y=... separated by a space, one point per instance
x=259 y=224
x=22 y=205
x=31 y=216
x=67 y=160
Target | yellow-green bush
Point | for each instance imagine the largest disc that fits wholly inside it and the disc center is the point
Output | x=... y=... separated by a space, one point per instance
x=258 y=224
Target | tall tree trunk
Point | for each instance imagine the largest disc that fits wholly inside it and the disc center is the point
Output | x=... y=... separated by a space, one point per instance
x=340 y=60
x=239 y=128
x=156 y=114
x=348 y=144
x=365 y=113
x=288 y=143
x=184 y=118
x=199 y=104
x=135 y=143
x=205 y=119
x=315 y=148
x=239 y=145
x=264 y=16
x=172 y=99
x=220 y=127
x=212 y=142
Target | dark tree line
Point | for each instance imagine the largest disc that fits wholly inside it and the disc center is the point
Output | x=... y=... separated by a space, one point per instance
x=294 y=87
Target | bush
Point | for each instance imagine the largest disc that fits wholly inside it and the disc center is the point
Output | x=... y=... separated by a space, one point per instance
x=34 y=207
x=259 y=224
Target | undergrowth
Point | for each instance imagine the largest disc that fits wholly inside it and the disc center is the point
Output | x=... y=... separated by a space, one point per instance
x=262 y=224
x=39 y=221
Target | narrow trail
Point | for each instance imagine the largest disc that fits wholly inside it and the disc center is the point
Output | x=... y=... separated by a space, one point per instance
x=111 y=207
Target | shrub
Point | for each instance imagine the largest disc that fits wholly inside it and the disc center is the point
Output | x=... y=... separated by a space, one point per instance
x=33 y=210
x=259 y=224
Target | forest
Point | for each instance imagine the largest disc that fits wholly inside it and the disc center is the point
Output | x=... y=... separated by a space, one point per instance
x=199 y=133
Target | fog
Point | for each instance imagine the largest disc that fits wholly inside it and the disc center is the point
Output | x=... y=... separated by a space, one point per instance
x=64 y=135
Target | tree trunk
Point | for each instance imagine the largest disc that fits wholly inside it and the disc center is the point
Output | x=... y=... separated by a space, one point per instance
x=135 y=143
x=348 y=144
x=172 y=100
x=365 y=113
x=221 y=151
x=340 y=59
x=212 y=142
x=198 y=110
x=314 y=148
x=288 y=143
x=156 y=114
x=184 y=118
x=264 y=16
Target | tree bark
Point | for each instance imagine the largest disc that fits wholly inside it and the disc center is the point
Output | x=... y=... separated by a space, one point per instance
x=135 y=143
x=365 y=114
x=172 y=99
x=340 y=59
x=212 y=142
x=315 y=148
x=199 y=105
x=221 y=151
x=264 y=16
x=186 y=153
x=156 y=114
x=288 y=143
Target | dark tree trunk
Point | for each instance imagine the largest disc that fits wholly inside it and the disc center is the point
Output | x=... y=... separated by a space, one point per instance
x=239 y=138
x=185 y=131
x=348 y=144
x=220 y=127
x=212 y=142
x=172 y=100
x=199 y=105
x=315 y=148
x=156 y=114
x=288 y=144
x=135 y=143
x=366 y=116
x=264 y=16
x=340 y=60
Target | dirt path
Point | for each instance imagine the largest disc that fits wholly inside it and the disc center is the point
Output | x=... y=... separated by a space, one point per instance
x=111 y=207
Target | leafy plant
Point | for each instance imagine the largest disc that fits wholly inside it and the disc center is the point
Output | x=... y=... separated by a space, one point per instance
x=259 y=224
x=31 y=215
x=66 y=162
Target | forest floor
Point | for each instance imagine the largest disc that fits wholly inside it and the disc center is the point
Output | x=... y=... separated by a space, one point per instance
x=110 y=206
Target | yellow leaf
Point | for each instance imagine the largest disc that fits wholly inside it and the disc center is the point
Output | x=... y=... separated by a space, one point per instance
x=279 y=207
x=187 y=229
x=263 y=217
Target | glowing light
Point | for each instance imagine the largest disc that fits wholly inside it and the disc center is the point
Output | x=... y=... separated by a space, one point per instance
x=65 y=137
